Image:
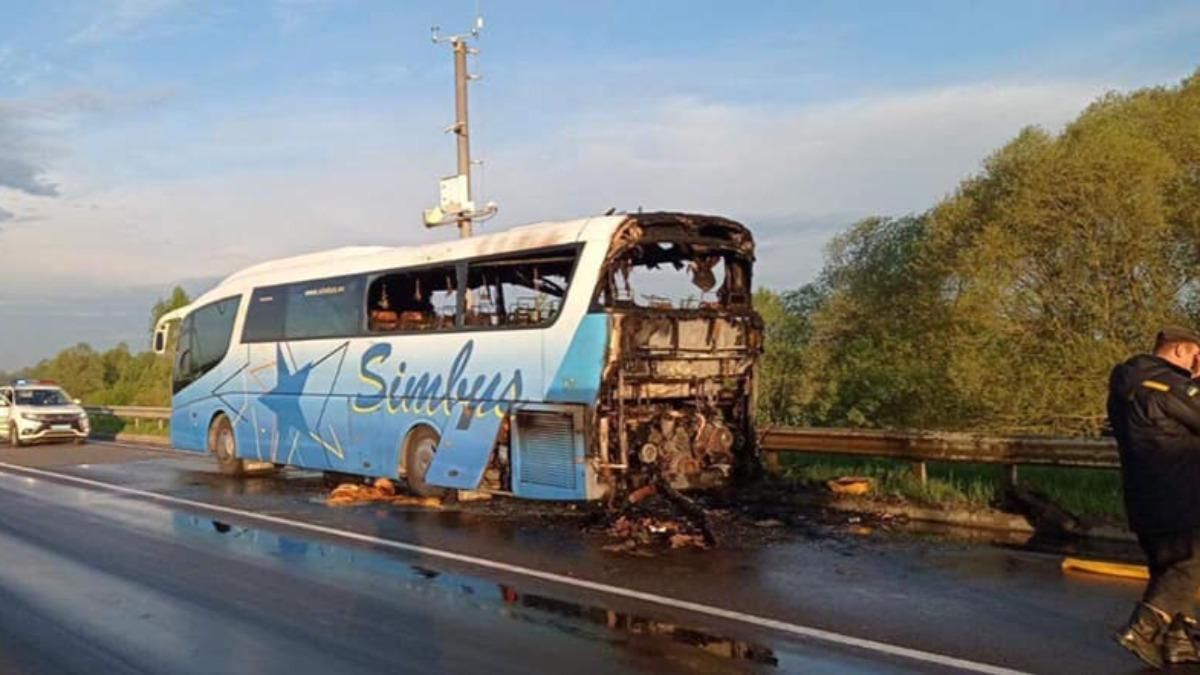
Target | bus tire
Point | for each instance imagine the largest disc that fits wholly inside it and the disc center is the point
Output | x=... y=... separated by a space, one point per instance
x=14 y=436
x=223 y=445
x=419 y=449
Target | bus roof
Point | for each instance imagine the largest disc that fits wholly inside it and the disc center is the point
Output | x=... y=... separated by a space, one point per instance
x=355 y=259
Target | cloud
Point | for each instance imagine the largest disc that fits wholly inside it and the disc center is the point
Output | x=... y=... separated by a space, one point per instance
x=32 y=129
x=37 y=325
x=22 y=154
x=891 y=152
x=121 y=18
x=797 y=174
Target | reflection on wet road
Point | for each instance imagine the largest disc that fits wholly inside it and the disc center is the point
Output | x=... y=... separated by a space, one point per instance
x=141 y=586
x=99 y=583
x=483 y=596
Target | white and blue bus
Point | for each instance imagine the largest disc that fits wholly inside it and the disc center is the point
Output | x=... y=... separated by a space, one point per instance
x=553 y=361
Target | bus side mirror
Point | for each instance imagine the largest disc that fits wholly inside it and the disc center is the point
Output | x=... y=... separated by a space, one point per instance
x=160 y=340
x=162 y=329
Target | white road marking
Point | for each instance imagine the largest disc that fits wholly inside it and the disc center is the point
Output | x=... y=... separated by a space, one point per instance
x=618 y=591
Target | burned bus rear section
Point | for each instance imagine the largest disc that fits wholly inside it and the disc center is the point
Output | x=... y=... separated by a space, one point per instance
x=677 y=391
x=666 y=368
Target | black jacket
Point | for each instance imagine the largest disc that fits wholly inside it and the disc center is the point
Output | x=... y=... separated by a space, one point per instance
x=1154 y=408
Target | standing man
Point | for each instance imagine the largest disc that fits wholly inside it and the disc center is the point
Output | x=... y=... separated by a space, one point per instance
x=1154 y=409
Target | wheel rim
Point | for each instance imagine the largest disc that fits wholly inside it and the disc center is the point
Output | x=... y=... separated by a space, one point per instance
x=225 y=448
x=426 y=448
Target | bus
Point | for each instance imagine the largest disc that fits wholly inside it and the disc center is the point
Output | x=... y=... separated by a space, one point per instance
x=560 y=361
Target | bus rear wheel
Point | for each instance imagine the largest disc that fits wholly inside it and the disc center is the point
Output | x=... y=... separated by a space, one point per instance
x=223 y=445
x=419 y=449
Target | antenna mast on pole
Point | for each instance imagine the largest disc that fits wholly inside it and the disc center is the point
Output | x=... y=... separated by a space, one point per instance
x=456 y=204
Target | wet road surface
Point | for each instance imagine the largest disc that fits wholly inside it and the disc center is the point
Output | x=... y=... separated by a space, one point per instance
x=92 y=580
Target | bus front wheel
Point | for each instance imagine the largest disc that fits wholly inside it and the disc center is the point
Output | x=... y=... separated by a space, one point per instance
x=419 y=449
x=223 y=445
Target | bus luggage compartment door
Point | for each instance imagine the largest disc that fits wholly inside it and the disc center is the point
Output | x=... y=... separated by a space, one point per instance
x=548 y=453
x=466 y=445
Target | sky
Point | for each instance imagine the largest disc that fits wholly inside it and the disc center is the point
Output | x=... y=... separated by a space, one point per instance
x=148 y=143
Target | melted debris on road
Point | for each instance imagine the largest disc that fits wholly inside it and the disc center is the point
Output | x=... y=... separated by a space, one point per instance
x=657 y=519
x=382 y=490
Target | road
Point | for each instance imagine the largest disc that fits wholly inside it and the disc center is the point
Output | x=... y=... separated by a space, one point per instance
x=125 y=559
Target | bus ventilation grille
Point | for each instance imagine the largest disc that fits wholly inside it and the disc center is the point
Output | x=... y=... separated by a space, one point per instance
x=547 y=449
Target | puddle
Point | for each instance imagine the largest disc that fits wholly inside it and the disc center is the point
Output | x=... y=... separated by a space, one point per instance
x=388 y=571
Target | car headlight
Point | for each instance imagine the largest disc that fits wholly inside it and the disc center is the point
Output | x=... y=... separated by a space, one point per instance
x=33 y=417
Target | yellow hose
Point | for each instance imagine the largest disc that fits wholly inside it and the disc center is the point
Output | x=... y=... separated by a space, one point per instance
x=1111 y=569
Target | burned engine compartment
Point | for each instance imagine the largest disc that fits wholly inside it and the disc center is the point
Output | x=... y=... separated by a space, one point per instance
x=676 y=399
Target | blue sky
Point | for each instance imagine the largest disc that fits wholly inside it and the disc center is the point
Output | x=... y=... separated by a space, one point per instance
x=149 y=142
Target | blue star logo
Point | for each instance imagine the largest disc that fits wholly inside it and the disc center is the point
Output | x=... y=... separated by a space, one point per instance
x=284 y=399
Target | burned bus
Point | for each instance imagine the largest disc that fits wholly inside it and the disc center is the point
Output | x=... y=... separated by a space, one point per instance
x=566 y=361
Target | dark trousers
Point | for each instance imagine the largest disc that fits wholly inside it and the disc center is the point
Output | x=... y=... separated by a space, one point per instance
x=1174 y=571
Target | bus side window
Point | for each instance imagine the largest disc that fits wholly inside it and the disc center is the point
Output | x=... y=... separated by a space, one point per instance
x=522 y=291
x=324 y=308
x=204 y=339
x=413 y=301
x=266 y=315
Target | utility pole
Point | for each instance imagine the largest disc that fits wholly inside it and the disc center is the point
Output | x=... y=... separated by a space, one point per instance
x=456 y=203
x=461 y=127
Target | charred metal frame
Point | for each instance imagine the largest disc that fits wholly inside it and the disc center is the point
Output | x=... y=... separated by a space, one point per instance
x=677 y=389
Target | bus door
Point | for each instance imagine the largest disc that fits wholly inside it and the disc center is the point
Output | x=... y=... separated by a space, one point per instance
x=466 y=444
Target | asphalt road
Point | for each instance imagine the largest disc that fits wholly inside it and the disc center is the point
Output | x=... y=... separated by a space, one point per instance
x=101 y=581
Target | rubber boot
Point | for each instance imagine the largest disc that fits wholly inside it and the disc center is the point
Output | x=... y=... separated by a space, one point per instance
x=1144 y=634
x=1178 y=646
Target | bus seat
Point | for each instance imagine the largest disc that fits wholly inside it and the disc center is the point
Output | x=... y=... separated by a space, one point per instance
x=413 y=319
x=384 y=319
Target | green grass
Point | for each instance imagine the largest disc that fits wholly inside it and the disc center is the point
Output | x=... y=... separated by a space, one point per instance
x=111 y=426
x=1090 y=493
x=1094 y=493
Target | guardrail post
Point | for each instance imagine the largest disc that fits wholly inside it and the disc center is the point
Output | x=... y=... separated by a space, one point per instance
x=771 y=459
x=160 y=424
x=1010 y=475
x=922 y=473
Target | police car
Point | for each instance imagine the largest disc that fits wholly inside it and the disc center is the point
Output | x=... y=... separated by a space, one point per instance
x=37 y=410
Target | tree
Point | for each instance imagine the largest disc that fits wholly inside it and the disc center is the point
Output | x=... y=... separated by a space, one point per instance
x=178 y=298
x=787 y=330
x=78 y=369
x=1066 y=255
x=1003 y=306
x=873 y=359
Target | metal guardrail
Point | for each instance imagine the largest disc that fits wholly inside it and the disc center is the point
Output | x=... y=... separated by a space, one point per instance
x=129 y=412
x=941 y=446
x=158 y=417
x=920 y=447
x=914 y=446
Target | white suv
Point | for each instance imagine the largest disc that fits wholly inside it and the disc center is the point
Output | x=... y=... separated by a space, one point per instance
x=32 y=411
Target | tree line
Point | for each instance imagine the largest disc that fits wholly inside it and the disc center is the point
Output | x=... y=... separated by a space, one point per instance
x=1003 y=307
x=118 y=376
